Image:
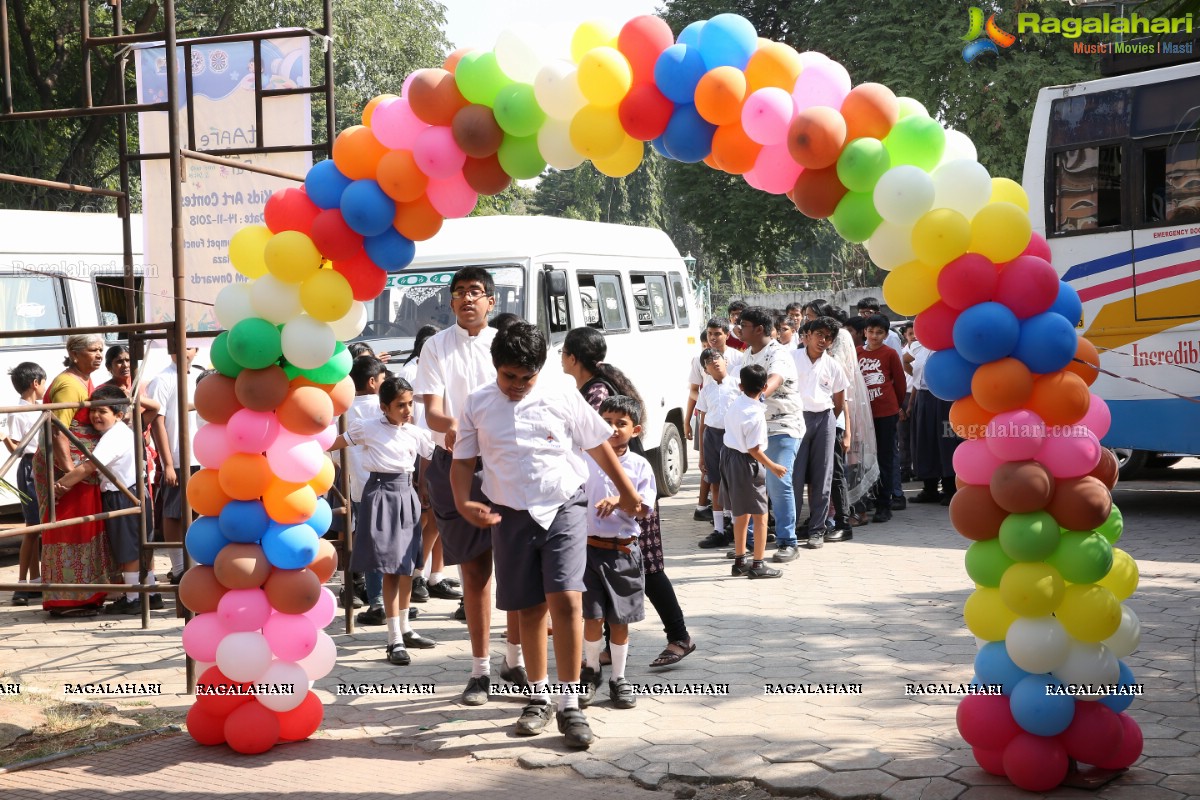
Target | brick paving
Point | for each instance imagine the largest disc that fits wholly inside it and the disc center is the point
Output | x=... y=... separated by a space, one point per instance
x=881 y=611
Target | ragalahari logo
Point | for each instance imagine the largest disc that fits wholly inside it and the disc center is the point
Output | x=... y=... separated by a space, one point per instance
x=977 y=46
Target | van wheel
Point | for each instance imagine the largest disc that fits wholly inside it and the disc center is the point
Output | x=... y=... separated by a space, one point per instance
x=1129 y=462
x=667 y=460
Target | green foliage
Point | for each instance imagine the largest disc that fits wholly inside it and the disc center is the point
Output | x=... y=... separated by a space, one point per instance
x=513 y=201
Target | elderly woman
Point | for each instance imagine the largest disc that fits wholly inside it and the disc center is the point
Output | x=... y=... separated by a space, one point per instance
x=73 y=553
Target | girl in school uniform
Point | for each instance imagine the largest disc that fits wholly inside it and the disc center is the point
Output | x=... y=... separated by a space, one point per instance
x=387 y=533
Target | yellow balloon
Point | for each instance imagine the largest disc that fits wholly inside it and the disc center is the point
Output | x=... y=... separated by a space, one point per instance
x=590 y=35
x=911 y=288
x=940 y=236
x=596 y=132
x=1122 y=577
x=1031 y=588
x=246 y=249
x=987 y=616
x=1000 y=231
x=604 y=76
x=1006 y=190
x=624 y=161
x=1089 y=612
x=326 y=295
x=291 y=256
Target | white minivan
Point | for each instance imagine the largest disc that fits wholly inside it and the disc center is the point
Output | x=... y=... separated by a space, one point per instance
x=629 y=283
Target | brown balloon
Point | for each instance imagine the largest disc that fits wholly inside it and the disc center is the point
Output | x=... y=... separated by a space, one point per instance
x=974 y=513
x=1107 y=471
x=216 y=398
x=292 y=591
x=307 y=410
x=242 y=566
x=434 y=97
x=1022 y=487
x=476 y=132
x=817 y=192
x=325 y=564
x=485 y=175
x=1082 y=504
x=342 y=395
x=200 y=590
x=261 y=389
x=816 y=137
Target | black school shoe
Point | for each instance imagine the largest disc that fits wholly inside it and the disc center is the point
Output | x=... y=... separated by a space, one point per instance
x=712 y=541
x=396 y=654
x=444 y=591
x=573 y=725
x=477 y=692
x=899 y=503
x=621 y=693
x=589 y=681
x=123 y=606
x=763 y=571
x=882 y=515
x=535 y=716
x=420 y=591
x=417 y=641
x=703 y=514
x=839 y=534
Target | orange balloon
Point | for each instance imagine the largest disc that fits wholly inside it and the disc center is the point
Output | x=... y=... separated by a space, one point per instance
x=356 y=152
x=974 y=513
x=1060 y=398
x=324 y=480
x=216 y=398
x=342 y=395
x=1002 y=385
x=452 y=60
x=969 y=419
x=200 y=590
x=292 y=591
x=325 y=564
x=372 y=104
x=870 y=110
x=242 y=566
x=289 y=503
x=418 y=220
x=245 y=476
x=434 y=97
x=733 y=150
x=1087 y=362
x=710 y=161
x=1080 y=504
x=719 y=95
x=816 y=137
x=773 y=64
x=485 y=175
x=306 y=410
x=400 y=177
x=204 y=492
x=817 y=192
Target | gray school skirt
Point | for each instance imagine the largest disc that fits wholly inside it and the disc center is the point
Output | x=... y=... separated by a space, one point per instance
x=614 y=586
x=743 y=483
x=387 y=534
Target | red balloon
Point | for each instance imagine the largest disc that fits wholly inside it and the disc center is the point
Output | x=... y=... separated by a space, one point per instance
x=934 y=327
x=211 y=693
x=333 y=237
x=986 y=722
x=1036 y=763
x=303 y=720
x=990 y=761
x=642 y=40
x=1131 y=745
x=645 y=112
x=1028 y=285
x=1037 y=247
x=366 y=280
x=252 y=728
x=207 y=729
x=1095 y=733
x=290 y=210
x=968 y=280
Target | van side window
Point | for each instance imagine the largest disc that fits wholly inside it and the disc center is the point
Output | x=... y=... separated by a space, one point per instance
x=680 y=295
x=29 y=303
x=603 y=304
x=110 y=294
x=555 y=317
x=652 y=301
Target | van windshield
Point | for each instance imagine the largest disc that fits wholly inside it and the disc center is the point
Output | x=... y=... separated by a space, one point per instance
x=29 y=303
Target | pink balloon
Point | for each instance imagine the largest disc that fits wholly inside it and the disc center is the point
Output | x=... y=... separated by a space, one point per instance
x=822 y=82
x=1098 y=418
x=968 y=280
x=436 y=152
x=407 y=83
x=395 y=125
x=1015 y=435
x=210 y=445
x=766 y=115
x=251 y=431
x=1070 y=453
x=1028 y=285
x=452 y=197
x=320 y=661
x=244 y=609
x=974 y=462
x=1036 y=763
x=292 y=637
x=324 y=611
x=294 y=457
x=201 y=636
x=774 y=171
x=326 y=437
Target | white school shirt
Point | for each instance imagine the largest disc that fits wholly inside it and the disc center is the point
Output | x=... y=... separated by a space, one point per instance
x=530 y=447
x=820 y=380
x=115 y=451
x=19 y=423
x=783 y=406
x=364 y=407
x=389 y=448
x=409 y=373
x=715 y=400
x=698 y=376
x=453 y=364
x=162 y=390
x=746 y=425
x=599 y=486
x=920 y=354
x=892 y=340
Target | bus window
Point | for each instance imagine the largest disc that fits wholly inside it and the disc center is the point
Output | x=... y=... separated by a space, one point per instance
x=603 y=305
x=680 y=294
x=1087 y=188
x=28 y=303
x=1171 y=184
x=1089 y=118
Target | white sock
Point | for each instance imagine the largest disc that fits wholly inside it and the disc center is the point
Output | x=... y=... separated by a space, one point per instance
x=719 y=521
x=176 y=561
x=481 y=667
x=151 y=580
x=729 y=515
x=620 y=654
x=434 y=578
x=130 y=578
x=405 y=625
x=701 y=508
x=591 y=652
x=516 y=655
x=567 y=699
x=540 y=692
x=395 y=635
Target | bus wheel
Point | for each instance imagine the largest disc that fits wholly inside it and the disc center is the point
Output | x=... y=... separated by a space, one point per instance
x=1130 y=463
x=667 y=460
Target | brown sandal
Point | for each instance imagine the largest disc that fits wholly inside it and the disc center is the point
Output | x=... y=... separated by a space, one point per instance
x=669 y=657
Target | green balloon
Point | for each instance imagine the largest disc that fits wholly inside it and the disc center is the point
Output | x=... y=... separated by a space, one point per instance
x=1082 y=556
x=517 y=110
x=221 y=360
x=254 y=343
x=862 y=163
x=519 y=157
x=479 y=77
x=855 y=217
x=986 y=562
x=1112 y=528
x=333 y=370
x=916 y=140
x=1029 y=537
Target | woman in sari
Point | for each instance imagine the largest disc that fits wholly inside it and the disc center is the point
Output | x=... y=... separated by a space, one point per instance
x=73 y=553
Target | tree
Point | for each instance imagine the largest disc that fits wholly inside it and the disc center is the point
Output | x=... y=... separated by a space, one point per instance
x=513 y=201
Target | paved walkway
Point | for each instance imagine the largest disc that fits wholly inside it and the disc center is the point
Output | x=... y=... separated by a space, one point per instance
x=881 y=612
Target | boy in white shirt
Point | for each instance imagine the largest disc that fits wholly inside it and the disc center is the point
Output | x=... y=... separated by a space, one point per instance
x=29 y=379
x=718 y=394
x=715 y=337
x=527 y=436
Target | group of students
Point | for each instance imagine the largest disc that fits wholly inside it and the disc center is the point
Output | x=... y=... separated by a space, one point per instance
x=810 y=399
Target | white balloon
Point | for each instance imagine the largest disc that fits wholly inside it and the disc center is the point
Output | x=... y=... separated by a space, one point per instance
x=891 y=245
x=288 y=679
x=516 y=57
x=1128 y=635
x=903 y=194
x=1089 y=664
x=1037 y=644
x=233 y=305
x=243 y=656
x=307 y=343
x=554 y=143
x=320 y=661
x=962 y=185
x=958 y=145
x=556 y=89
x=274 y=300
x=352 y=324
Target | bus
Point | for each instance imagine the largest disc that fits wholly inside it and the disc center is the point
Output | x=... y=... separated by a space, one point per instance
x=1113 y=177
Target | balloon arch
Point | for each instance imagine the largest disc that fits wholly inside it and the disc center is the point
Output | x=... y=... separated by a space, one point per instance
x=960 y=256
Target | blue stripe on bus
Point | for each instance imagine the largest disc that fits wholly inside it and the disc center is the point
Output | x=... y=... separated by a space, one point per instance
x=1160 y=426
x=1125 y=258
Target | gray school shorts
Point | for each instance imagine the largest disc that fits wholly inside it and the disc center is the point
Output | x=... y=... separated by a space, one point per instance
x=172 y=498
x=743 y=483
x=615 y=588
x=714 y=443
x=461 y=541
x=532 y=561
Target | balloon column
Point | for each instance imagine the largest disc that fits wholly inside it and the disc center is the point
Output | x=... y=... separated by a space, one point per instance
x=960 y=255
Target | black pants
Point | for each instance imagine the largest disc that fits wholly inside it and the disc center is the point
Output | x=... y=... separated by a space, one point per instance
x=838 y=497
x=885 y=446
x=661 y=595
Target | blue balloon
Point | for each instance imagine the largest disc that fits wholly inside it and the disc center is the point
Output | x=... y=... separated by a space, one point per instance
x=993 y=666
x=325 y=183
x=290 y=546
x=204 y=540
x=986 y=332
x=661 y=148
x=728 y=40
x=390 y=250
x=948 y=375
x=1047 y=343
x=689 y=136
x=244 y=521
x=368 y=211
x=1120 y=702
x=1067 y=304
x=322 y=517
x=678 y=69
x=691 y=34
x=1037 y=710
